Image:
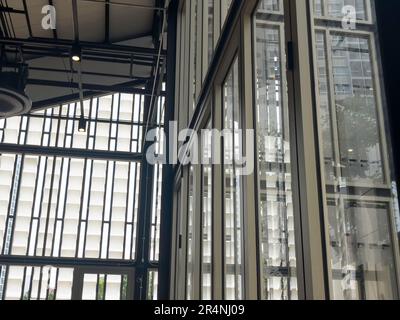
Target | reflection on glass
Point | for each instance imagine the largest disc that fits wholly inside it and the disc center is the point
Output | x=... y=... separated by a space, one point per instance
x=324 y=107
x=206 y=268
x=269 y=5
x=335 y=8
x=36 y=283
x=318 y=7
x=152 y=285
x=275 y=205
x=115 y=123
x=87 y=203
x=157 y=188
x=225 y=7
x=190 y=238
x=194 y=46
x=232 y=188
x=360 y=197
x=361 y=250
x=356 y=109
x=210 y=26
x=104 y=287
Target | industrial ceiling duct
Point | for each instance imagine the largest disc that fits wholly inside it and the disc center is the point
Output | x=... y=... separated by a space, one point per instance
x=13 y=100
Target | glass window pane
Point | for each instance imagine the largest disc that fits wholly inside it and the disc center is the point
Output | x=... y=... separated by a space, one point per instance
x=337 y=9
x=91 y=286
x=58 y=126
x=195 y=38
x=210 y=28
x=152 y=285
x=7 y=165
x=113 y=288
x=64 y=207
x=360 y=193
x=206 y=239
x=190 y=237
x=233 y=193
x=275 y=203
x=269 y=5
x=156 y=214
x=225 y=7
x=36 y=283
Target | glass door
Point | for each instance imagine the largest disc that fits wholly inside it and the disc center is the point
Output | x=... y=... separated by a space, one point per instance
x=103 y=284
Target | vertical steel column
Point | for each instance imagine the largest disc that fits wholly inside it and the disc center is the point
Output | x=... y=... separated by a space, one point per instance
x=168 y=170
x=144 y=218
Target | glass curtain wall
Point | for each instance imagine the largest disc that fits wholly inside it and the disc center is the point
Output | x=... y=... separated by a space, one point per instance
x=360 y=195
x=274 y=178
x=359 y=209
x=199 y=26
x=83 y=207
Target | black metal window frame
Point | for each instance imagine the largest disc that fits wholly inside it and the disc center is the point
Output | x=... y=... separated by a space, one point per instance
x=65 y=155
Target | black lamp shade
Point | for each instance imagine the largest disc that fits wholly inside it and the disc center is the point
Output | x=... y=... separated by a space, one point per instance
x=82 y=124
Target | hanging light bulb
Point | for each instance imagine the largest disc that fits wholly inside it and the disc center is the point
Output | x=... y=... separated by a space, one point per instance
x=76 y=53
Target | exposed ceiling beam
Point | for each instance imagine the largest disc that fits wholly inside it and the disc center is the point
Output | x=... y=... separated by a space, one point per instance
x=64 y=52
x=116 y=40
x=5 y=28
x=55 y=36
x=31 y=53
x=70 y=98
x=71 y=262
x=28 y=19
x=75 y=19
x=140 y=51
x=124 y=4
x=121 y=88
x=70 y=152
x=11 y=10
x=107 y=24
x=86 y=73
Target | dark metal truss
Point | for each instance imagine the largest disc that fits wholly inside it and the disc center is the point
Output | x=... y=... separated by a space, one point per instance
x=33 y=48
x=148 y=87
